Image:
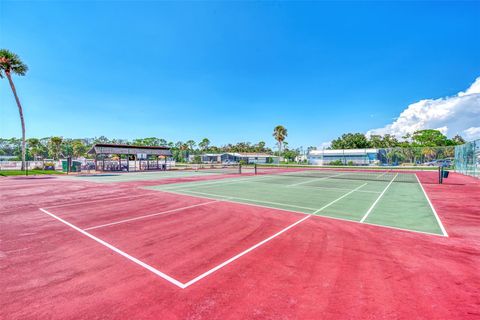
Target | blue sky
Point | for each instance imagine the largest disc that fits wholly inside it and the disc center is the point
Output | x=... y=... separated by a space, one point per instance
x=232 y=71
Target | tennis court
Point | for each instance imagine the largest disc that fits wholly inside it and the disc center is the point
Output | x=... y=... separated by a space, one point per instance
x=383 y=198
x=308 y=236
x=179 y=172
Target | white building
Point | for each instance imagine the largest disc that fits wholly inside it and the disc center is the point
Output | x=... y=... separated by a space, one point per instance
x=236 y=157
x=345 y=156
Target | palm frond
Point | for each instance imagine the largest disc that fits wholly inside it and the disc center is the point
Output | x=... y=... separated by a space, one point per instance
x=11 y=62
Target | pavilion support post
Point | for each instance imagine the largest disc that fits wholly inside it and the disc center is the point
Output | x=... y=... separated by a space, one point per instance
x=148 y=163
x=103 y=163
x=128 y=163
x=96 y=167
x=157 y=164
x=120 y=162
x=165 y=168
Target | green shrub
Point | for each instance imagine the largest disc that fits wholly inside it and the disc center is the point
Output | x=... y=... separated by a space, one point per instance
x=336 y=163
x=197 y=159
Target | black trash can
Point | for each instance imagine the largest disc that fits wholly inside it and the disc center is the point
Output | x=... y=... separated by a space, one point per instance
x=445 y=173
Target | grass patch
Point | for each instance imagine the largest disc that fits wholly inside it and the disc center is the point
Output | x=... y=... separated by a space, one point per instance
x=7 y=173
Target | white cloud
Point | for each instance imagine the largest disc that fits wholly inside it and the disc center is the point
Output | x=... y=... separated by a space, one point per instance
x=472 y=133
x=325 y=145
x=458 y=114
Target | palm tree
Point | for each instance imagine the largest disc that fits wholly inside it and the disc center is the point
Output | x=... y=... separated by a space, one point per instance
x=260 y=146
x=280 y=133
x=79 y=148
x=34 y=145
x=191 y=144
x=56 y=147
x=184 y=149
x=10 y=62
x=204 y=144
x=429 y=153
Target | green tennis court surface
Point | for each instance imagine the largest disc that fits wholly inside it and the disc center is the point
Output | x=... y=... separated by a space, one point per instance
x=398 y=202
x=138 y=176
x=181 y=171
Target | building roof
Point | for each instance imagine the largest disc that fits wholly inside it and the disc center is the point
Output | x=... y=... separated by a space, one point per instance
x=107 y=148
x=212 y=154
x=342 y=152
x=240 y=154
x=253 y=154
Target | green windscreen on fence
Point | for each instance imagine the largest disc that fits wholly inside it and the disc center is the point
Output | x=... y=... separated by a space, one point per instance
x=467 y=158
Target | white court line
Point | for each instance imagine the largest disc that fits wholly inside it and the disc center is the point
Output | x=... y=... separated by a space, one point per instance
x=230 y=200
x=217 y=181
x=150 y=215
x=433 y=209
x=346 y=194
x=312 y=180
x=289 y=210
x=163 y=275
x=314 y=187
x=97 y=200
x=240 y=180
x=378 y=199
x=381 y=175
x=401 y=229
x=333 y=189
x=244 y=199
x=120 y=252
x=203 y=275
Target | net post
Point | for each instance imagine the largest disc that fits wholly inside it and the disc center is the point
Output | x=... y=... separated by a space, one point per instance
x=440 y=175
x=255 y=168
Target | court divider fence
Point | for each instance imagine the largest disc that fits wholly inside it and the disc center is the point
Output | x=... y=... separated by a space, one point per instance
x=467 y=158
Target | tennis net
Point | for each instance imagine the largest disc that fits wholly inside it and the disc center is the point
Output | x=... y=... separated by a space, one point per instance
x=366 y=174
x=218 y=168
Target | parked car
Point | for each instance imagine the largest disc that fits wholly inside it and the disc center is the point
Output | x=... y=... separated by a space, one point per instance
x=440 y=163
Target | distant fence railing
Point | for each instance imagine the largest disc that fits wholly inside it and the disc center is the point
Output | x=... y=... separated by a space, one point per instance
x=467 y=158
x=17 y=165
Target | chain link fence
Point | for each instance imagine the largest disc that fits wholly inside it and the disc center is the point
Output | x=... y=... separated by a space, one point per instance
x=467 y=158
x=424 y=156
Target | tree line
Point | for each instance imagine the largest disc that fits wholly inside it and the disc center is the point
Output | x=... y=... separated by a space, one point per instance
x=420 y=138
x=58 y=147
